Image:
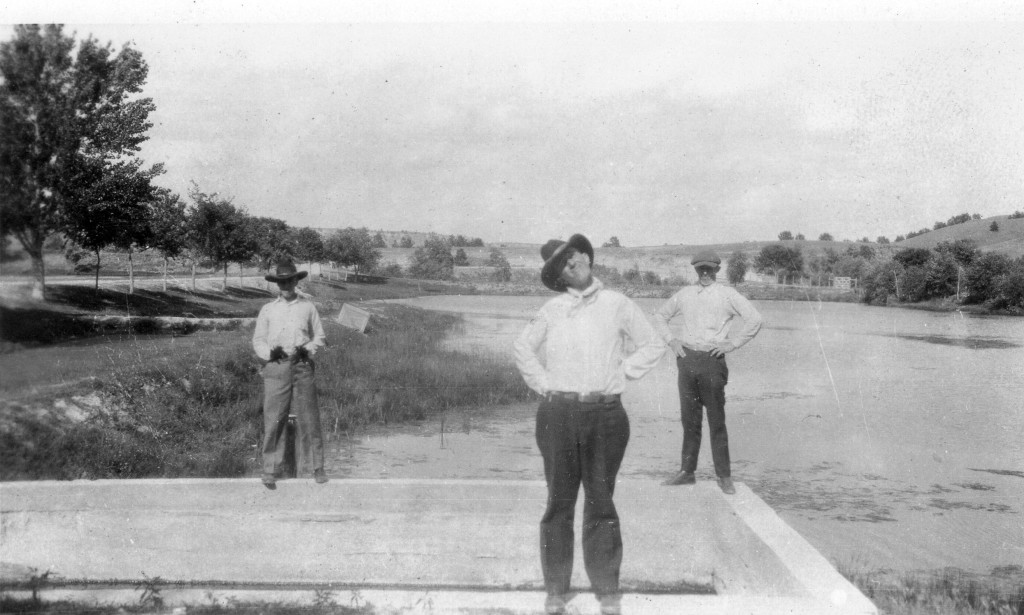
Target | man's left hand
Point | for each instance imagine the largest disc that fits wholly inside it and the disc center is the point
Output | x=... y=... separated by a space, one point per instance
x=720 y=349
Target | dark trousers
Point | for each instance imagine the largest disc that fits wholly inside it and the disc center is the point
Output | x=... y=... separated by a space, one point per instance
x=702 y=380
x=289 y=388
x=581 y=443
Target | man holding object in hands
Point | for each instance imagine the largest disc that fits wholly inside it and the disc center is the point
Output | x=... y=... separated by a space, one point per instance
x=288 y=334
x=700 y=339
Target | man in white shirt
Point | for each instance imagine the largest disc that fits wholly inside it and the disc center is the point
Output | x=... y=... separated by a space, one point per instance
x=582 y=428
x=288 y=334
x=703 y=314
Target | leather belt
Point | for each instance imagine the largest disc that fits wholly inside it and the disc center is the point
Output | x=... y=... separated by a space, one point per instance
x=583 y=398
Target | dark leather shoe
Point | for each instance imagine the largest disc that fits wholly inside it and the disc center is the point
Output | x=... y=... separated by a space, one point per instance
x=725 y=483
x=269 y=481
x=320 y=476
x=683 y=478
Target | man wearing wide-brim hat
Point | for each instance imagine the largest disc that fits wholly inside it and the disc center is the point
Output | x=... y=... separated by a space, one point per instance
x=696 y=324
x=288 y=335
x=582 y=428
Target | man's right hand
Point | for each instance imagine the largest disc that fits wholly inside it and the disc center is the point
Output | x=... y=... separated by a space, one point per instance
x=277 y=353
x=677 y=347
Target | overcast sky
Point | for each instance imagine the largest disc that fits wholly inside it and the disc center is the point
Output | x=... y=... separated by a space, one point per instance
x=655 y=128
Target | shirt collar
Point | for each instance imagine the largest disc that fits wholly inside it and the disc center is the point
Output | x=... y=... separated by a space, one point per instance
x=595 y=285
x=701 y=288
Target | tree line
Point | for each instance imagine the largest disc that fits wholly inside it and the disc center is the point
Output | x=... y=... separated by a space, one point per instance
x=952 y=270
x=72 y=120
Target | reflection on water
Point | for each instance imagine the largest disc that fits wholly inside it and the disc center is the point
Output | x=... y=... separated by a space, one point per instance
x=865 y=440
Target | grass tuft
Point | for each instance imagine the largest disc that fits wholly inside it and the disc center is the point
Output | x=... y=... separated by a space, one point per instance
x=950 y=591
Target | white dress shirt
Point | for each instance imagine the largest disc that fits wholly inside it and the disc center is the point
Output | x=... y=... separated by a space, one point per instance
x=700 y=317
x=576 y=343
x=290 y=325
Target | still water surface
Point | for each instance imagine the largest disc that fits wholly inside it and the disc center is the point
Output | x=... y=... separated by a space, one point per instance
x=889 y=438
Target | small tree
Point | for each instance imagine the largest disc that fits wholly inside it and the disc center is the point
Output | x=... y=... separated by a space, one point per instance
x=994 y=227
x=433 y=261
x=785 y=236
x=461 y=260
x=405 y=242
x=800 y=237
x=882 y=240
x=736 y=267
x=502 y=268
x=825 y=237
x=378 y=241
x=169 y=221
x=612 y=243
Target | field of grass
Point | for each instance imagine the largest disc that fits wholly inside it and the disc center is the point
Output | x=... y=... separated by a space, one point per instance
x=126 y=405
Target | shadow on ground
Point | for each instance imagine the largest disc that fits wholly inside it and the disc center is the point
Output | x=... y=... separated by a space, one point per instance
x=68 y=310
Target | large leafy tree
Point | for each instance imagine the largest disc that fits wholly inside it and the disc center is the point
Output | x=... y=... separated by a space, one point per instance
x=309 y=244
x=218 y=231
x=70 y=126
x=271 y=240
x=781 y=261
x=352 y=247
x=109 y=209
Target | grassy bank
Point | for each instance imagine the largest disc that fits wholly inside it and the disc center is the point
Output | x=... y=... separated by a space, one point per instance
x=945 y=592
x=174 y=408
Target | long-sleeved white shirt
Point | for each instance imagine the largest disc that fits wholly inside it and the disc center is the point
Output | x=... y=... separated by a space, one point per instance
x=290 y=325
x=576 y=343
x=700 y=317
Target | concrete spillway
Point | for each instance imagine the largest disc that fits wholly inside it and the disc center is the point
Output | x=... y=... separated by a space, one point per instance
x=455 y=545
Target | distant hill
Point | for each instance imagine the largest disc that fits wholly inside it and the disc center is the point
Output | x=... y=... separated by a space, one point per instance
x=1009 y=239
x=674 y=260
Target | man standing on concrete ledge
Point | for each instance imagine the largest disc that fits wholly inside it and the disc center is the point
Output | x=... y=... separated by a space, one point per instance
x=582 y=429
x=288 y=334
x=701 y=341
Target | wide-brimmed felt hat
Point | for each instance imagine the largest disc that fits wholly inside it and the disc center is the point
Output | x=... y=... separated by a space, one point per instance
x=285 y=271
x=556 y=253
x=706 y=258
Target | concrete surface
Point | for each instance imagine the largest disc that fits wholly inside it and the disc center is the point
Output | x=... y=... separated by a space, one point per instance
x=403 y=545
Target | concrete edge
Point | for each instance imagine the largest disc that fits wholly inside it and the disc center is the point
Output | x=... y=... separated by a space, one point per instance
x=431 y=601
x=51 y=484
x=817 y=574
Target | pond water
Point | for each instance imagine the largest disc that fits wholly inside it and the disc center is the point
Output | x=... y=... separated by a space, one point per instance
x=888 y=438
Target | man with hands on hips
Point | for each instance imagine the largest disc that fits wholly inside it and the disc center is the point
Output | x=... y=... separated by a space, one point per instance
x=701 y=318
